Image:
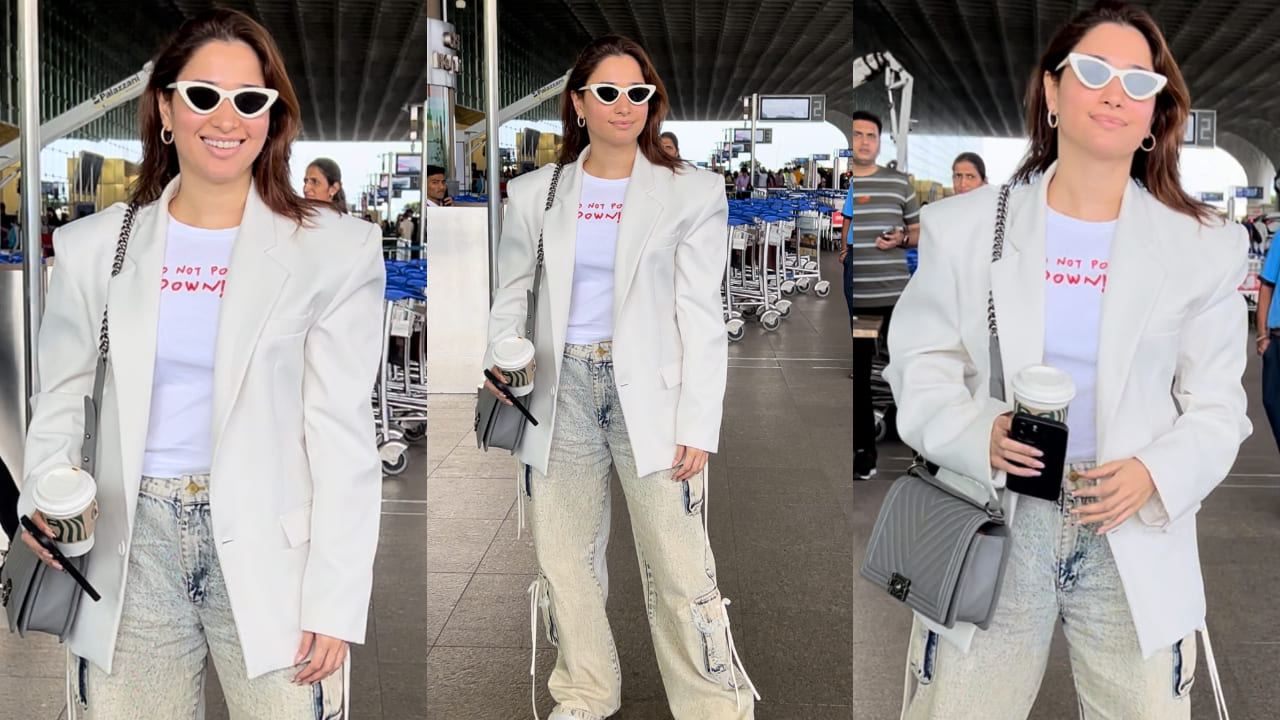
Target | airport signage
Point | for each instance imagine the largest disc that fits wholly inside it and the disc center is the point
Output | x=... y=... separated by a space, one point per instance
x=793 y=108
x=1212 y=197
x=1250 y=192
x=822 y=158
x=846 y=153
x=764 y=136
x=1201 y=129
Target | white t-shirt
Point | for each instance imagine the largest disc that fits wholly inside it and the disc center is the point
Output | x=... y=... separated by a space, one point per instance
x=180 y=431
x=591 y=307
x=1076 y=255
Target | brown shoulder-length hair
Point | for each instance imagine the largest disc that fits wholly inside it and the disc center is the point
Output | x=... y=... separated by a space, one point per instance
x=332 y=175
x=271 y=168
x=576 y=138
x=1156 y=170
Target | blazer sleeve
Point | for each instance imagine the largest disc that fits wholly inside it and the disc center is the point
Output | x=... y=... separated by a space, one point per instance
x=341 y=357
x=700 y=267
x=67 y=355
x=937 y=413
x=1189 y=461
x=517 y=259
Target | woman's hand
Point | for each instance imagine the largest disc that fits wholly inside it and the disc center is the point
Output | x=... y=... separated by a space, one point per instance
x=1126 y=488
x=329 y=652
x=44 y=555
x=494 y=388
x=1012 y=456
x=689 y=462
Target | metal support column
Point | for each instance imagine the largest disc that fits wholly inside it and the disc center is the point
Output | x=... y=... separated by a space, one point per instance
x=29 y=129
x=755 y=112
x=493 y=159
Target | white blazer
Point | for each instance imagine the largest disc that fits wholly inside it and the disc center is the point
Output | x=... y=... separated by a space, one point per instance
x=1170 y=359
x=295 y=491
x=670 y=349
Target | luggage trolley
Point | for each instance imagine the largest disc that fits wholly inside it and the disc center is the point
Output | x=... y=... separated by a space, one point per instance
x=812 y=226
x=747 y=289
x=400 y=396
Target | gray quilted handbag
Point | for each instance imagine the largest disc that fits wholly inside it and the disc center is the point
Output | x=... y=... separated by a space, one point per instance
x=36 y=597
x=498 y=425
x=934 y=548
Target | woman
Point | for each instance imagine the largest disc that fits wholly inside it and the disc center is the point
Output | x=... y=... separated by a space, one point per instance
x=631 y=359
x=323 y=183
x=1115 y=557
x=238 y=482
x=968 y=172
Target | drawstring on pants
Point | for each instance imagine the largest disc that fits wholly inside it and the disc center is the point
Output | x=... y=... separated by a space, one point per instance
x=1219 y=698
x=735 y=666
x=533 y=636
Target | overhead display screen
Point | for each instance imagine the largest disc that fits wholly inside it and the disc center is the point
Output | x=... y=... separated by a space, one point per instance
x=784 y=108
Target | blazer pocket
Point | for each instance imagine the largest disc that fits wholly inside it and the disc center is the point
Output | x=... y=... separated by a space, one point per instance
x=672 y=374
x=297 y=525
x=285 y=325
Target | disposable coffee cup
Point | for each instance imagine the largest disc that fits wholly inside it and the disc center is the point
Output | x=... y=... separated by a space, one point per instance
x=67 y=497
x=1043 y=391
x=514 y=357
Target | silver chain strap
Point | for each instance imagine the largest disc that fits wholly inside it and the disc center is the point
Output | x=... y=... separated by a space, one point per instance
x=551 y=196
x=126 y=228
x=997 y=251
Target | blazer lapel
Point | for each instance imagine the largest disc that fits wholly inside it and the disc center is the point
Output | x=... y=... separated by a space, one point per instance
x=255 y=277
x=133 y=299
x=640 y=213
x=559 y=244
x=1135 y=275
x=1017 y=283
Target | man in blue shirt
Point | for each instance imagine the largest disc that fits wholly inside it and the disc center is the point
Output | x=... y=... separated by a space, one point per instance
x=1269 y=338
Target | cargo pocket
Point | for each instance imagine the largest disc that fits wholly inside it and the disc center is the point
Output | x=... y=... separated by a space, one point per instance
x=82 y=682
x=708 y=616
x=923 y=652
x=1184 y=666
x=544 y=605
x=694 y=492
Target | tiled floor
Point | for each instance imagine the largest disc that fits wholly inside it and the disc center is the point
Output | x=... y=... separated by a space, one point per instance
x=387 y=672
x=779 y=524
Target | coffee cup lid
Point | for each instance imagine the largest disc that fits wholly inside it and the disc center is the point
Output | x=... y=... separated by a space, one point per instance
x=64 y=491
x=1044 y=384
x=513 y=353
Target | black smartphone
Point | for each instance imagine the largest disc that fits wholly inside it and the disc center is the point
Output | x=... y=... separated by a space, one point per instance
x=1050 y=438
x=48 y=543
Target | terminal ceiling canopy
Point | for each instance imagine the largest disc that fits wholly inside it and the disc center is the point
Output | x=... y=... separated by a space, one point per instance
x=972 y=59
x=357 y=64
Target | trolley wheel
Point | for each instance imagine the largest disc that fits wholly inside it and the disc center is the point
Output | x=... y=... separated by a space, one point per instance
x=415 y=433
x=803 y=285
x=735 y=315
x=822 y=289
x=784 y=308
x=736 y=330
x=750 y=310
x=771 y=319
x=396 y=466
x=789 y=288
x=811 y=265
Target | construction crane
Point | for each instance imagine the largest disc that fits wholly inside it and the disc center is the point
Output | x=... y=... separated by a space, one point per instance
x=80 y=115
x=895 y=78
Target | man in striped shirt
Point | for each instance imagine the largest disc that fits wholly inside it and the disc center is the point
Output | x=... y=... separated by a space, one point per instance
x=881 y=220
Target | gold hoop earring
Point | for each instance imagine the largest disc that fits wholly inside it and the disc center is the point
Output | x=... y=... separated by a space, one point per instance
x=162 y=132
x=1053 y=119
x=1144 y=147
